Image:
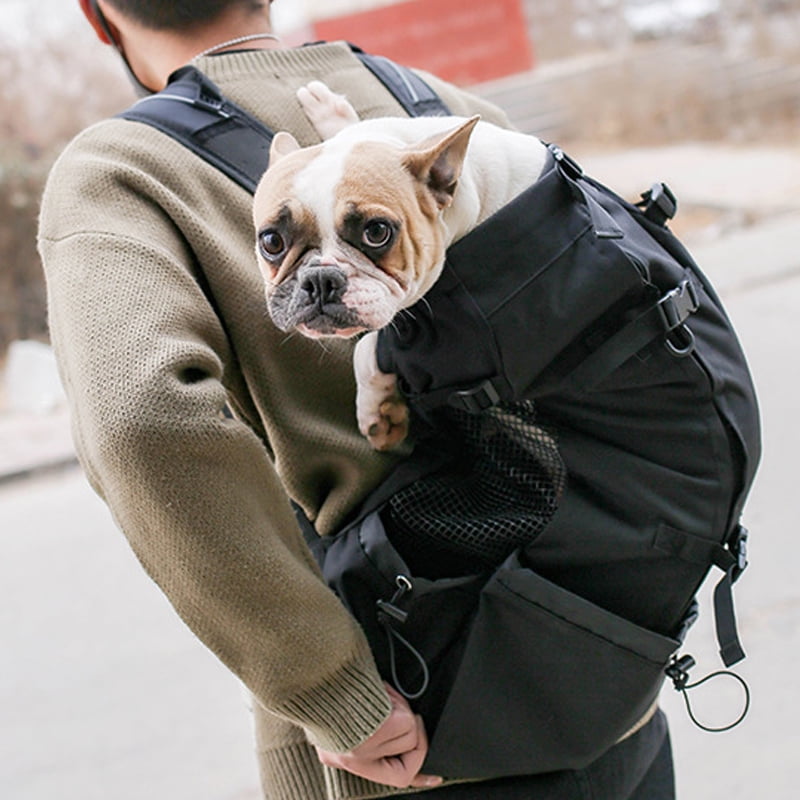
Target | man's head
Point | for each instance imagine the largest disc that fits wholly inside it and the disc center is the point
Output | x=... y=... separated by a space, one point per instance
x=155 y=37
x=179 y=15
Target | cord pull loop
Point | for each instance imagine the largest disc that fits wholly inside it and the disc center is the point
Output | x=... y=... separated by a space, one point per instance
x=390 y=612
x=678 y=673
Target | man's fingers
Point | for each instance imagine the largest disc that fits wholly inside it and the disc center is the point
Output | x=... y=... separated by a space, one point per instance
x=394 y=754
x=426 y=782
x=400 y=770
x=399 y=734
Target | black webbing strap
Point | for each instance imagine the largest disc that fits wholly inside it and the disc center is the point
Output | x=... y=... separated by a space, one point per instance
x=665 y=318
x=193 y=111
x=730 y=648
x=731 y=558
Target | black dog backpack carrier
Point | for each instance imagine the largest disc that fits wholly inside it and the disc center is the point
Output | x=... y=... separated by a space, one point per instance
x=588 y=432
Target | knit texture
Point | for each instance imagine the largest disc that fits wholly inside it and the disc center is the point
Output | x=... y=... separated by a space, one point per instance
x=158 y=320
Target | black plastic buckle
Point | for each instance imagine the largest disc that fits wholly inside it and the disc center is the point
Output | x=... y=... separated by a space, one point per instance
x=659 y=204
x=475 y=400
x=678 y=304
x=678 y=670
x=569 y=166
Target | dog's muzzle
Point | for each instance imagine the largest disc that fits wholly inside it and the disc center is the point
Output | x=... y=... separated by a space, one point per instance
x=313 y=298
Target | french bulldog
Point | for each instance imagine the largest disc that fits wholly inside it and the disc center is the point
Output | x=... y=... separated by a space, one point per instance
x=352 y=231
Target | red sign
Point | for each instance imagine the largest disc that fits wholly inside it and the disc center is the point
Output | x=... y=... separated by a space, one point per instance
x=463 y=42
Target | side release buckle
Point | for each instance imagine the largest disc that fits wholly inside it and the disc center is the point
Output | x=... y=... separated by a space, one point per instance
x=659 y=204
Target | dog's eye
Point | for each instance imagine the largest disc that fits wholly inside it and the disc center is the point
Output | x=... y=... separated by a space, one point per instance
x=377 y=233
x=271 y=243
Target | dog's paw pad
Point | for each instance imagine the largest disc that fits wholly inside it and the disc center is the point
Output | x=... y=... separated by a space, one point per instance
x=390 y=428
x=395 y=410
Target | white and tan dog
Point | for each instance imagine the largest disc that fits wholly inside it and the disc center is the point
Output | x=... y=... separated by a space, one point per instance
x=354 y=230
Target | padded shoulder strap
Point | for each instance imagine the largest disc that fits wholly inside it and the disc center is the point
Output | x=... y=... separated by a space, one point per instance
x=416 y=97
x=193 y=111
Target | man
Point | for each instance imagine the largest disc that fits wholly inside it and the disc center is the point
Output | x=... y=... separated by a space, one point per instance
x=158 y=321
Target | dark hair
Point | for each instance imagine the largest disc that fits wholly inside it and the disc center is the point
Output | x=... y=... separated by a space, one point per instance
x=179 y=14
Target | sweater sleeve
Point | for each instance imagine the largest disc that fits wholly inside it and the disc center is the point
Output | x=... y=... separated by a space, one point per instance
x=147 y=367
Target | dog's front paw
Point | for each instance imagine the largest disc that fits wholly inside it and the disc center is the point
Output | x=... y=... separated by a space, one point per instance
x=388 y=427
x=381 y=411
x=328 y=112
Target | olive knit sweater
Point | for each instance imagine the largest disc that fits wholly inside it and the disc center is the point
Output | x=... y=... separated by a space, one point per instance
x=158 y=320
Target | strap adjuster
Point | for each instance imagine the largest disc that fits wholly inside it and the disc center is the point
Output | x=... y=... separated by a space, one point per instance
x=475 y=400
x=678 y=304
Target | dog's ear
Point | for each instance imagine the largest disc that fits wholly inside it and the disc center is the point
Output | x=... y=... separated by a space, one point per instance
x=437 y=161
x=283 y=143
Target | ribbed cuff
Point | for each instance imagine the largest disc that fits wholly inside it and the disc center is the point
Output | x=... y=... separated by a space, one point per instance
x=344 y=711
x=292 y=773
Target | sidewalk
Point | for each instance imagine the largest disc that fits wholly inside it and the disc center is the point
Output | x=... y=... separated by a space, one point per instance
x=31 y=444
x=739 y=213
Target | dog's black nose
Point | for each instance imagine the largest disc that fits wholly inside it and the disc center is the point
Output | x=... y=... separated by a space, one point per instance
x=323 y=285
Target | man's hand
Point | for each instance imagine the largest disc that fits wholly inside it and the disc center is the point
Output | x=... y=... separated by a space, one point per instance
x=393 y=755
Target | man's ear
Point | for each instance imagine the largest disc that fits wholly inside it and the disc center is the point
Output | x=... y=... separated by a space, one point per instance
x=100 y=24
x=283 y=143
x=437 y=161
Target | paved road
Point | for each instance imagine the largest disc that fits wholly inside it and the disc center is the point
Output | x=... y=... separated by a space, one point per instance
x=104 y=693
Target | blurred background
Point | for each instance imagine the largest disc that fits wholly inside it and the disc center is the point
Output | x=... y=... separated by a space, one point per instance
x=616 y=73
x=103 y=693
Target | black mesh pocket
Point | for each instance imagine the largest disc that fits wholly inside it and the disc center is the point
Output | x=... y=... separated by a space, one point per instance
x=499 y=490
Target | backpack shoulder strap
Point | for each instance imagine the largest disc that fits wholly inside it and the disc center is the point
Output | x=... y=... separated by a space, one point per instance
x=193 y=111
x=416 y=97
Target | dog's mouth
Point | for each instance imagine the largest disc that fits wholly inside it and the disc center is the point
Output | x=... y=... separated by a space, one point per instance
x=343 y=323
x=315 y=318
x=322 y=332
x=313 y=303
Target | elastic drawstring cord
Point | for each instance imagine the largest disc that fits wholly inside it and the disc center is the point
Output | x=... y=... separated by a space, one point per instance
x=388 y=611
x=678 y=672
x=392 y=634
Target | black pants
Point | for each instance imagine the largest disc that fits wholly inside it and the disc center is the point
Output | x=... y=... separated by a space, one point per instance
x=639 y=768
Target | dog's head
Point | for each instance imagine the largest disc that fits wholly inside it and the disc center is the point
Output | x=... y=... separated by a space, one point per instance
x=350 y=231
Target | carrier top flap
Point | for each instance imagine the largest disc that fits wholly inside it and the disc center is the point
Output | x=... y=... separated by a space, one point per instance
x=541 y=282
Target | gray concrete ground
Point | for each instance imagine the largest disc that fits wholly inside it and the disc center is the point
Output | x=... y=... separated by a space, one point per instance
x=105 y=694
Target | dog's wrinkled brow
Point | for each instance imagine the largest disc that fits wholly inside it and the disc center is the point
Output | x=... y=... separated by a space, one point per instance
x=283 y=219
x=293 y=223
